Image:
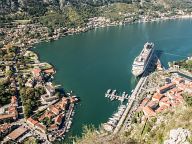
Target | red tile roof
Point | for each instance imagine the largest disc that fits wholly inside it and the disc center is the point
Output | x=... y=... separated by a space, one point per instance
x=58 y=119
x=178 y=80
x=165 y=87
x=144 y=102
x=7 y=116
x=32 y=121
x=182 y=86
x=36 y=71
x=165 y=101
x=4 y=127
x=41 y=127
x=51 y=71
x=157 y=97
x=53 y=127
x=17 y=133
x=161 y=108
x=148 y=111
x=54 y=110
x=46 y=114
x=13 y=99
x=153 y=104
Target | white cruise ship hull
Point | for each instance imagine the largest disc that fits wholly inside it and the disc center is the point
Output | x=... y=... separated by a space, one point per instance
x=140 y=71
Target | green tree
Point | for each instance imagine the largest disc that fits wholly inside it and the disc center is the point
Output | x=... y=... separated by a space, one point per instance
x=188 y=99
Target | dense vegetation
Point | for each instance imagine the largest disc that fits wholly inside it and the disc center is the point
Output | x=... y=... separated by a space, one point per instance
x=5 y=95
x=188 y=99
x=184 y=64
x=74 y=13
x=6 y=89
x=30 y=99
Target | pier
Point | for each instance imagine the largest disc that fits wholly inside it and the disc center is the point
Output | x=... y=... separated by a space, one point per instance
x=130 y=104
x=114 y=96
x=133 y=99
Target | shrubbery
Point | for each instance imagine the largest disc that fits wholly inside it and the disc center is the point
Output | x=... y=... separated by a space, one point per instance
x=30 y=99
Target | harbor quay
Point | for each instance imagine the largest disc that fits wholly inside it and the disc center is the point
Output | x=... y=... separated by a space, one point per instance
x=130 y=103
x=133 y=100
x=113 y=95
x=128 y=108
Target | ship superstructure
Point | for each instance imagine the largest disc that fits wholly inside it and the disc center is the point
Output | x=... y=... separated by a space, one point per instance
x=140 y=63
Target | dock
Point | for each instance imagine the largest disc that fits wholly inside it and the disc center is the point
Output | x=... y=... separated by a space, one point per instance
x=113 y=121
x=133 y=99
x=114 y=96
x=130 y=103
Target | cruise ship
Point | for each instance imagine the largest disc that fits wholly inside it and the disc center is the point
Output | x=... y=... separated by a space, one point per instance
x=140 y=63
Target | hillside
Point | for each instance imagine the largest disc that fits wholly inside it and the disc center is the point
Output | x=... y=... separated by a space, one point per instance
x=49 y=18
x=74 y=13
x=15 y=5
x=156 y=131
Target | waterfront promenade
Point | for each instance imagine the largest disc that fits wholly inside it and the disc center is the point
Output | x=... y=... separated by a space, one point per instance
x=134 y=98
x=131 y=102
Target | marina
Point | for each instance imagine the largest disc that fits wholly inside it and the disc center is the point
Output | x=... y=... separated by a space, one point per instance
x=113 y=121
x=113 y=95
x=136 y=95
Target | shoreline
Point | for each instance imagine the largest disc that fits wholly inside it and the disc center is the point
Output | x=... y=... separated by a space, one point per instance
x=31 y=46
x=138 y=22
x=73 y=31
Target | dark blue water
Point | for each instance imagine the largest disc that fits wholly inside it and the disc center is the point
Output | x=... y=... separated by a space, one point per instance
x=90 y=63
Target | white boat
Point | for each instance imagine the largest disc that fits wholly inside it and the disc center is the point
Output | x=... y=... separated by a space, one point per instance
x=123 y=95
x=116 y=118
x=140 y=63
x=116 y=115
x=108 y=91
x=132 y=90
x=122 y=106
x=69 y=124
x=112 y=122
x=114 y=92
x=112 y=98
